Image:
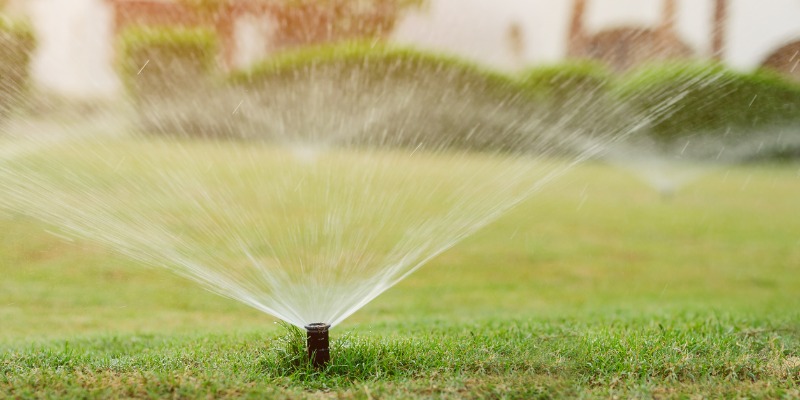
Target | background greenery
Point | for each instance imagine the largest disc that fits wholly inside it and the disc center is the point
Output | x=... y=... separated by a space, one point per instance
x=169 y=74
x=680 y=100
x=712 y=100
x=17 y=41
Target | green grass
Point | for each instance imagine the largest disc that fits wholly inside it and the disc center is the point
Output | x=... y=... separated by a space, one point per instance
x=594 y=288
x=714 y=355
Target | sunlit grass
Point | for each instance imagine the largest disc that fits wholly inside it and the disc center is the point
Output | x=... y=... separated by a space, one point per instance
x=713 y=355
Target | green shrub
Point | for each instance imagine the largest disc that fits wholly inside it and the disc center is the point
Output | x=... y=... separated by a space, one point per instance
x=576 y=96
x=374 y=94
x=16 y=44
x=159 y=59
x=560 y=80
x=690 y=99
x=376 y=62
x=169 y=74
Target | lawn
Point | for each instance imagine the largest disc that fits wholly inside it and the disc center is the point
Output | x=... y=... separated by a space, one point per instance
x=595 y=287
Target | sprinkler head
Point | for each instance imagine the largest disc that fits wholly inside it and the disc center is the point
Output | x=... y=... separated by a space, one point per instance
x=317 y=343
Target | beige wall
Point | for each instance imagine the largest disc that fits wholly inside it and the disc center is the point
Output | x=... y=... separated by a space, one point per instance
x=13 y=7
x=76 y=48
x=759 y=27
x=477 y=28
x=75 y=52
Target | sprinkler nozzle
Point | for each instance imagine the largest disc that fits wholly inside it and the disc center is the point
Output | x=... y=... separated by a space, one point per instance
x=317 y=344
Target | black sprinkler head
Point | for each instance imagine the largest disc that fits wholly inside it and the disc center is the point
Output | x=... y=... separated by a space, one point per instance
x=317 y=344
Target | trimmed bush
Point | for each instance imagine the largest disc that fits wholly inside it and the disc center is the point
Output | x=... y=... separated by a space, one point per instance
x=576 y=96
x=169 y=74
x=16 y=44
x=378 y=62
x=561 y=80
x=379 y=95
x=690 y=99
x=155 y=60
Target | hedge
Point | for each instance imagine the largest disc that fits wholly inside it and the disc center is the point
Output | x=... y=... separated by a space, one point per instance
x=566 y=78
x=376 y=62
x=17 y=41
x=578 y=96
x=170 y=75
x=375 y=94
x=367 y=93
x=684 y=100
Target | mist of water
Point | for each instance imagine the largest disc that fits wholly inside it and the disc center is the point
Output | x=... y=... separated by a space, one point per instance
x=669 y=167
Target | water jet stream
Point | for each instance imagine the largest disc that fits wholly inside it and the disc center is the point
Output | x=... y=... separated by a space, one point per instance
x=344 y=181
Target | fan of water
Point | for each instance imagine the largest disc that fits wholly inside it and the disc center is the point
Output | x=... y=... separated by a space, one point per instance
x=340 y=180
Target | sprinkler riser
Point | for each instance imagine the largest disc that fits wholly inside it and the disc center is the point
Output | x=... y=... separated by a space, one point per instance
x=317 y=343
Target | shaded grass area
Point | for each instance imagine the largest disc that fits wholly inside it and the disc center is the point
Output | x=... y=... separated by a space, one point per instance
x=711 y=354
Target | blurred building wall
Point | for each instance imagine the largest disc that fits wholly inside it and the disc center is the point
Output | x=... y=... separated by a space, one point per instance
x=75 y=55
x=759 y=27
x=478 y=28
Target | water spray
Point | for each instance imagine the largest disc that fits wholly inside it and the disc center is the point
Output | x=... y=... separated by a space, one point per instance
x=318 y=343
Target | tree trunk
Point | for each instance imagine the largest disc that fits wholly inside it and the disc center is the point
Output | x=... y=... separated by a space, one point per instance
x=576 y=41
x=719 y=29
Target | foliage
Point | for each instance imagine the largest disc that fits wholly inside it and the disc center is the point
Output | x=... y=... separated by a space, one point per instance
x=566 y=79
x=453 y=100
x=711 y=100
x=321 y=21
x=169 y=73
x=159 y=61
x=576 y=96
x=384 y=89
x=401 y=62
x=402 y=4
x=17 y=41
